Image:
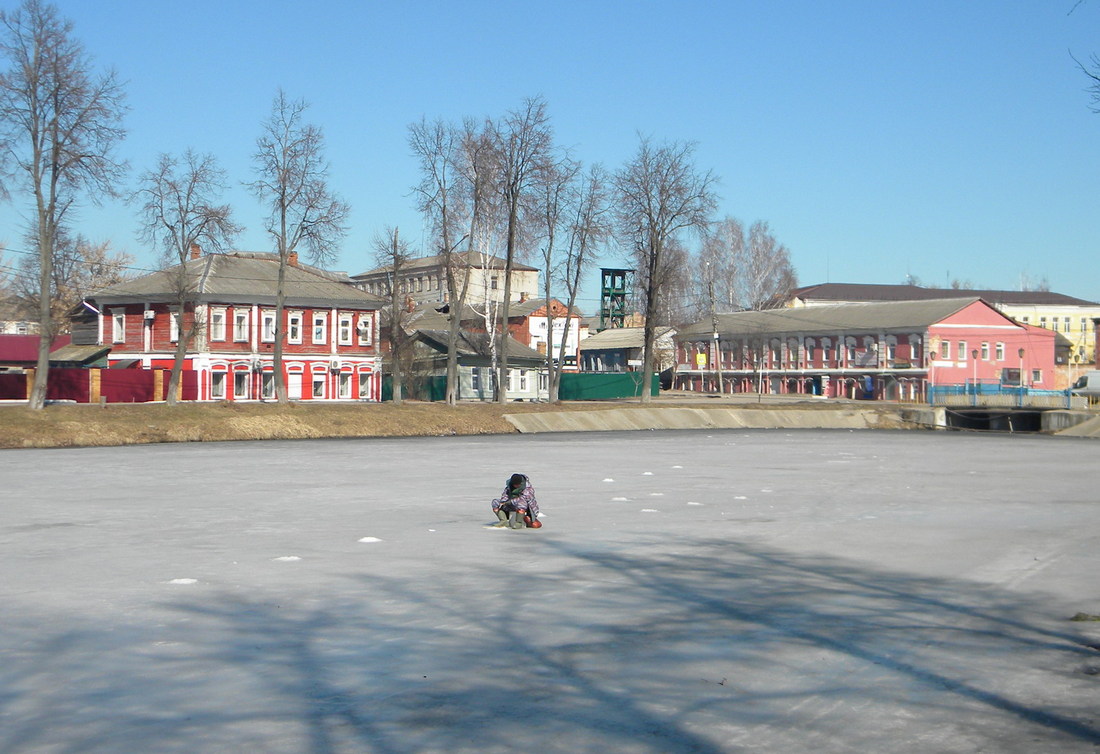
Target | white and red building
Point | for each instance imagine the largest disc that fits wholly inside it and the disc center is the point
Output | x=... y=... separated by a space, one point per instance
x=889 y=350
x=330 y=329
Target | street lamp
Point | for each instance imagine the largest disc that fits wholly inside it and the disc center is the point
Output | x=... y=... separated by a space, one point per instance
x=1021 y=353
x=974 y=358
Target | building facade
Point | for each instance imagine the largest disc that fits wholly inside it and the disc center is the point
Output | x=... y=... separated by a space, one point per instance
x=424 y=280
x=329 y=329
x=1068 y=317
x=888 y=351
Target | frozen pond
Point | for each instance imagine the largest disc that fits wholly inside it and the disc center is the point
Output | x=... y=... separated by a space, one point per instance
x=775 y=591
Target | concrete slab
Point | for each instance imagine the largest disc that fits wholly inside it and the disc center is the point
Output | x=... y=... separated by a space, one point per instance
x=691 y=591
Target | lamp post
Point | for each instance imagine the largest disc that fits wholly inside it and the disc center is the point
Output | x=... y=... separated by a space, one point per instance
x=974 y=382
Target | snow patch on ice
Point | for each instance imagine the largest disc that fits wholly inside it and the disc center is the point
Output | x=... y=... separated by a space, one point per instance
x=647 y=473
x=677 y=467
x=650 y=510
x=609 y=479
x=287 y=558
x=184 y=581
x=619 y=499
x=692 y=502
x=740 y=497
x=370 y=539
x=656 y=494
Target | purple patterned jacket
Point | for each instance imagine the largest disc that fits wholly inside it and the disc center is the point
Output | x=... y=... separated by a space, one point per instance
x=525 y=501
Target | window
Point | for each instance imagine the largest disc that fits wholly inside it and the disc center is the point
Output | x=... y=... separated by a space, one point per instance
x=174 y=325
x=118 y=325
x=217 y=385
x=217 y=324
x=267 y=327
x=1025 y=319
x=1036 y=376
x=319 y=385
x=1065 y=324
x=985 y=351
x=366 y=329
x=493 y=283
x=294 y=327
x=891 y=352
x=345 y=385
x=962 y=354
x=1042 y=321
x=345 y=330
x=364 y=386
x=320 y=327
x=267 y=386
x=945 y=350
x=240 y=385
x=523 y=380
x=811 y=354
x=475 y=380
x=1084 y=324
x=1000 y=352
x=240 y=327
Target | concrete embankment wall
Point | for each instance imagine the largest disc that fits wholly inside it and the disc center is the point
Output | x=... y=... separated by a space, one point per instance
x=721 y=418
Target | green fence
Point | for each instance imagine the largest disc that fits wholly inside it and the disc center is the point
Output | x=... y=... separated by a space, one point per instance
x=599 y=386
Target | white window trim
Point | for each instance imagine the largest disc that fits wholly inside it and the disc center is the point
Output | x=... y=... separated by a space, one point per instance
x=365 y=330
x=267 y=316
x=321 y=317
x=212 y=333
x=118 y=325
x=291 y=318
x=345 y=328
x=240 y=332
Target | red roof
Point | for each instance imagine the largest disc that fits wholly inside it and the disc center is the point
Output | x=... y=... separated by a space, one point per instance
x=19 y=350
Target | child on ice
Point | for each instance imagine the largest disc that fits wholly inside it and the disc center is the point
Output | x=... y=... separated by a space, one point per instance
x=517 y=507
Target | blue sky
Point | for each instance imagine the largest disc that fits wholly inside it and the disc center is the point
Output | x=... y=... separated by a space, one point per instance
x=943 y=140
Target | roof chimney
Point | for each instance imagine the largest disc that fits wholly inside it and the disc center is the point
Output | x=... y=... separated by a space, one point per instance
x=196 y=251
x=292 y=259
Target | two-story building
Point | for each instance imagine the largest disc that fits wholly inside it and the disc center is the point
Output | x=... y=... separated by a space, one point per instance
x=424 y=280
x=1070 y=318
x=888 y=350
x=330 y=329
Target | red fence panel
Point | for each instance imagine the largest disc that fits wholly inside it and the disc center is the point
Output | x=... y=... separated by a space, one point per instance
x=126 y=385
x=68 y=384
x=13 y=387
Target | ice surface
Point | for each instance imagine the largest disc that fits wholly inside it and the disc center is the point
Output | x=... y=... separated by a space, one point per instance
x=915 y=599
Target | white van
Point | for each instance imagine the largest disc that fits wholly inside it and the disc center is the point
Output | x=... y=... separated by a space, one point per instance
x=1087 y=384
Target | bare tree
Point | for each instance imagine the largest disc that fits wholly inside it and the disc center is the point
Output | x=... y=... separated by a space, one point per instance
x=659 y=195
x=723 y=247
x=557 y=188
x=303 y=212
x=589 y=227
x=179 y=212
x=441 y=198
x=765 y=273
x=390 y=251
x=523 y=141
x=59 y=125
x=79 y=268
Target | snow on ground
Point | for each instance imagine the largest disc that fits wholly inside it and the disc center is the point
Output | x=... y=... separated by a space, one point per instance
x=794 y=591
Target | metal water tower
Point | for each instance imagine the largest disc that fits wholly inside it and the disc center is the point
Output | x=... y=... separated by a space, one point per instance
x=616 y=286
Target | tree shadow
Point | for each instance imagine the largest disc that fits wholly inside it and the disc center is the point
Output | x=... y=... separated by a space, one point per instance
x=638 y=648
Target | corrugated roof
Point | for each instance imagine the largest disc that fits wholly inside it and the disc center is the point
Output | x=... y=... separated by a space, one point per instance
x=873 y=292
x=620 y=337
x=878 y=316
x=477 y=344
x=246 y=278
x=477 y=260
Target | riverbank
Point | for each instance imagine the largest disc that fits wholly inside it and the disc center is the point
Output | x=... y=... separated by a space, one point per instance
x=72 y=425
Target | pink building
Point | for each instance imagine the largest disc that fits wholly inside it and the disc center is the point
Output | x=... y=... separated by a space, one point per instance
x=885 y=350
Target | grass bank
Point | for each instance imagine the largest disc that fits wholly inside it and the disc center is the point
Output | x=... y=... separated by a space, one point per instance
x=77 y=425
